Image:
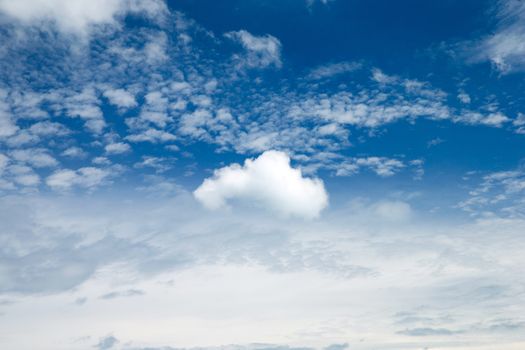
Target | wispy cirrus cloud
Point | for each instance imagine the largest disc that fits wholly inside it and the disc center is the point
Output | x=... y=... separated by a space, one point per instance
x=503 y=48
x=333 y=69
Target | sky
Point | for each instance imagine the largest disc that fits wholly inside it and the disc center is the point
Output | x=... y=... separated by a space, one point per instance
x=262 y=174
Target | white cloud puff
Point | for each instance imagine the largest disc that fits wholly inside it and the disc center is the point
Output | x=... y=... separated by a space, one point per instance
x=117 y=148
x=120 y=98
x=269 y=181
x=76 y=16
x=261 y=51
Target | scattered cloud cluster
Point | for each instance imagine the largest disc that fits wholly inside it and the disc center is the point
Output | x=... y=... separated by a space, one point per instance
x=396 y=99
x=498 y=193
x=167 y=90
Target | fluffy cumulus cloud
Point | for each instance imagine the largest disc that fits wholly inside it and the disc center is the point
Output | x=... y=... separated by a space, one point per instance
x=268 y=180
x=261 y=51
x=77 y=16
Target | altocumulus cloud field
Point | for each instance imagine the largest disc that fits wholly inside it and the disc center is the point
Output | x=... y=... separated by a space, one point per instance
x=262 y=175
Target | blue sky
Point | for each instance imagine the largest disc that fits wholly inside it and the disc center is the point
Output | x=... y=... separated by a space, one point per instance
x=320 y=174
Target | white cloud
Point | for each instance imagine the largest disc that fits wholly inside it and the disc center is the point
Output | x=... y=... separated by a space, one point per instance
x=19 y=174
x=96 y=126
x=155 y=109
x=87 y=177
x=520 y=120
x=30 y=179
x=86 y=105
x=72 y=15
x=333 y=69
x=268 y=180
x=21 y=138
x=101 y=161
x=504 y=48
x=155 y=49
x=396 y=99
x=496 y=119
x=151 y=135
x=117 y=148
x=382 y=78
x=62 y=179
x=498 y=192
x=47 y=128
x=261 y=51
x=519 y=123
x=74 y=152
x=78 y=16
x=7 y=126
x=193 y=124
x=382 y=166
x=157 y=163
x=120 y=98
x=37 y=157
x=370 y=108
x=464 y=97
